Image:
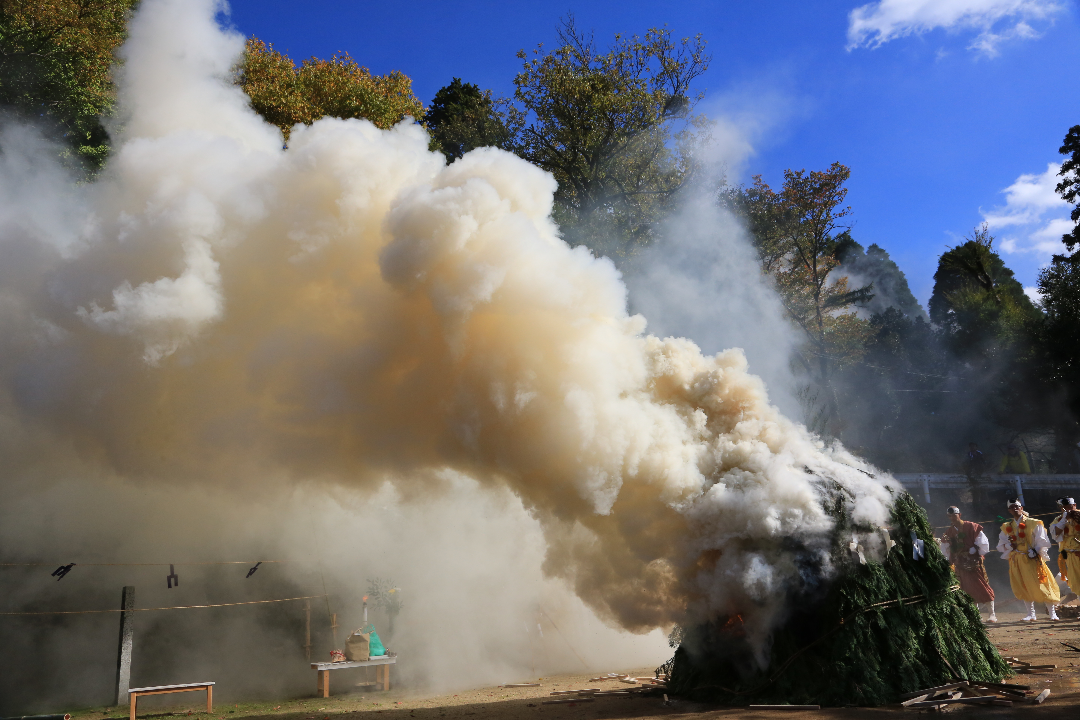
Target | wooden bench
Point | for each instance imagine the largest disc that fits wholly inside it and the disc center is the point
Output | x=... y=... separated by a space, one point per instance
x=382 y=665
x=134 y=693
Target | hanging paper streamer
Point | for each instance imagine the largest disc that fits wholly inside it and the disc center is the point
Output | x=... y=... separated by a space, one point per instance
x=918 y=547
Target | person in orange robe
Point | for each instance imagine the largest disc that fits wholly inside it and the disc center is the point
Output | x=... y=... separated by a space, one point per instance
x=965 y=546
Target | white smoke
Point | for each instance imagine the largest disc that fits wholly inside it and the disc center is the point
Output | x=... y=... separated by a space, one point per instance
x=216 y=311
x=168 y=311
x=702 y=280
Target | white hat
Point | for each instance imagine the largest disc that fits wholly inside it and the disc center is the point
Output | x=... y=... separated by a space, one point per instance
x=953 y=510
x=1013 y=503
x=1068 y=501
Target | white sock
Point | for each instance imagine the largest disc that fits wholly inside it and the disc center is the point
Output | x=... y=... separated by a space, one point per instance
x=1051 y=609
x=992 y=614
x=1031 y=609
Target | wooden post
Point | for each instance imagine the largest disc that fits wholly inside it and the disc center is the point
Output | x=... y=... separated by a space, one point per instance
x=123 y=658
x=307 y=630
x=209 y=699
x=324 y=683
x=333 y=628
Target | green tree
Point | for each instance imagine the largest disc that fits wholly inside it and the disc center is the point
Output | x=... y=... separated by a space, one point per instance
x=286 y=95
x=1069 y=187
x=1058 y=339
x=896 y=401
x=55 y=60
x=462 y=117
x=615 y=128
x=990 y=326
x=874 y=267
x=977 y=302
x=797 y=233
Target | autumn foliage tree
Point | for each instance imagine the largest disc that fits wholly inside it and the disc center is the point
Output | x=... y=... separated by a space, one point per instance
x=287 y=95
x=797 y=233
x=55 y=63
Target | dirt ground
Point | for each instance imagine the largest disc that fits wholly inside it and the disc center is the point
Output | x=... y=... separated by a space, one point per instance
x=1038 y=643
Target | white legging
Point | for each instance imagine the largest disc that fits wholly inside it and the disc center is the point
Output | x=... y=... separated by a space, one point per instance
x=1050 y=609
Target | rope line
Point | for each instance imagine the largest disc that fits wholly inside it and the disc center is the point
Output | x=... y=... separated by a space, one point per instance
x=564 y=638
x=995 y=521
x=175 y=607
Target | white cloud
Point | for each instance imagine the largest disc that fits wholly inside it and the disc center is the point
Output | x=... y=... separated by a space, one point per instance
x=1034 y=215
x=1027 y=199
x=1033 y=294
x=995 y=21
x=1054 y=229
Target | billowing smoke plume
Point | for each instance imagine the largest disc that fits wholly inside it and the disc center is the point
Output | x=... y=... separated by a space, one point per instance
x=217 y=311
x=702 y=280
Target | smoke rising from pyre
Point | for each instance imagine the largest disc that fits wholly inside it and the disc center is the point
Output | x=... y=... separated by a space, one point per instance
x=216 y=310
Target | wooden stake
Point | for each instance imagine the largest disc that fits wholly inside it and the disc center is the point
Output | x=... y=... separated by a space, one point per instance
x=307 y=629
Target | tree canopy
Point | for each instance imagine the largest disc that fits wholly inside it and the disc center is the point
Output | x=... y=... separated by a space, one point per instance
x=874 y=267
x=797 y=233
x=462 y=117
x=977 y=301
x=55 y=63
x=286 y=95
x=1069 y=187
x=616 y=128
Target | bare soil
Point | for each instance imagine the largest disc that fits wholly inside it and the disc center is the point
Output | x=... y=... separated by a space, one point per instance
x=1038 y=643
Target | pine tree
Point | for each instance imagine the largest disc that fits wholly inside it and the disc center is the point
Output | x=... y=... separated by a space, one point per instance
x=881 y=630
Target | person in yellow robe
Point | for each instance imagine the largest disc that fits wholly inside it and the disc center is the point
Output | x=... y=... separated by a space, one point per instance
x=1024 y=543
x=1066 y=533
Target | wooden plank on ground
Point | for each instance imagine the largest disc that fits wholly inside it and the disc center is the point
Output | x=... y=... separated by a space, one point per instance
x=917 y=698
x=1041 y=696
x=1003 y=687
x=940 y=688
x=989 y=700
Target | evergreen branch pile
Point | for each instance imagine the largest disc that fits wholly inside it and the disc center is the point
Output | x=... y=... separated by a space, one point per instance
x=881 y=629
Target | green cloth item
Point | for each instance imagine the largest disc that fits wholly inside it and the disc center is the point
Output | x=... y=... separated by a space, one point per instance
x=377 y=649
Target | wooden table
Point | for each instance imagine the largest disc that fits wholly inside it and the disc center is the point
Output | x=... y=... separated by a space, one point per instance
x=382 y=672
x=134 y=693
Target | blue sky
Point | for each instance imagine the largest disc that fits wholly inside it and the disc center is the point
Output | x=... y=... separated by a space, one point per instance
x=948 y=112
